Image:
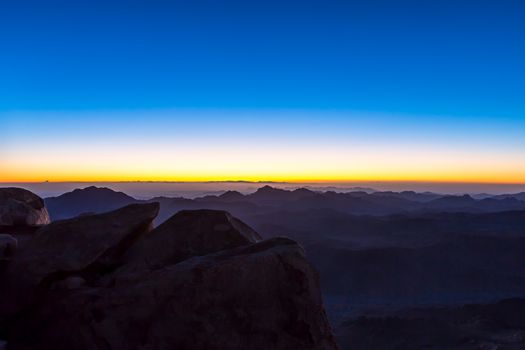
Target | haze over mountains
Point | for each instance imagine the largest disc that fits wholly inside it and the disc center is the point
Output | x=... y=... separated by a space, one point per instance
x=267 y=199
x=149 y=189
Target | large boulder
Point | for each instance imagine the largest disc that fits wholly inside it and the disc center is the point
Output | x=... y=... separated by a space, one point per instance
x=19 y=207
x=85 y=246
x=190 y=233
x=259 y=297
x=212 y=285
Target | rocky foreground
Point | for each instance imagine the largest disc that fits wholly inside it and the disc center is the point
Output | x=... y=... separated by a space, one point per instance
x=201 y=280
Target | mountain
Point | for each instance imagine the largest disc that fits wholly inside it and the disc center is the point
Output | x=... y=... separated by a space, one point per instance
x=410 y=195
x=456 y=269
x=498 y=325
x=267 y=199
x=401 y=230
x=87 y=200
x=467 y=203
x=270 y=195
x=519 y=196
x=170 y=206
x=231 y=196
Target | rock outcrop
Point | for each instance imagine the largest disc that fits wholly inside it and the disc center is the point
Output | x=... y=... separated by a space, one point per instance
x=203 y=280
x=189 y=233
x=87 y=246
x=19 y=207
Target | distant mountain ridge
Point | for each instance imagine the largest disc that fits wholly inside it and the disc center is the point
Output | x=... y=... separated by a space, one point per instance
x=98 y=199
x=87 y=200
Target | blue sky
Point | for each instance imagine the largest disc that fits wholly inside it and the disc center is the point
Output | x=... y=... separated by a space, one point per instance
x=460 y=58
x=431 y=75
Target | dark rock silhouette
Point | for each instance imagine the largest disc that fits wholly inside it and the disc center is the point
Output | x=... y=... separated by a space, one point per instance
x=19 y=207
x=190 y=233
x=262 y=296
x=232 y=196
x=268 y=199
x=269 y=193
x=84 y=246
x=208 y=283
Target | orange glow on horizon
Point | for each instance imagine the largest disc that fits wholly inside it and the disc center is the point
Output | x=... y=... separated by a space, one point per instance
x=7 y=177
x=312 y=165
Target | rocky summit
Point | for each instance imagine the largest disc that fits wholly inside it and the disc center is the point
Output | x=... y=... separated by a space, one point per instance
x=202 y=280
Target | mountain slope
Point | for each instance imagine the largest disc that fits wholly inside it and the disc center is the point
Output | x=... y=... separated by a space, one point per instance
x=87 y=200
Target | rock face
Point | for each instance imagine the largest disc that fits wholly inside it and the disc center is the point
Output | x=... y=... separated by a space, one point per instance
x=203 y=280
x=19 y=207
x=189 y=233
x=85 y=246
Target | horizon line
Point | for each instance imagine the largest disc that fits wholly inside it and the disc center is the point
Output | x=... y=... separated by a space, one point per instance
x=271 y=182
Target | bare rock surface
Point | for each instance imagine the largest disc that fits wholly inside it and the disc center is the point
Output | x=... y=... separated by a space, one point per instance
x=87 y=245
x=19 y=207
x=191 y=233
x=203 y=280
x=263 y=296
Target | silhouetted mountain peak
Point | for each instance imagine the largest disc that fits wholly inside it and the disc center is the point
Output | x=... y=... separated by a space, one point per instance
x=90 y=199
x=303 y=190
x=96 y=191
x=231 y=195
x=269 y=189
x=269 y=192
x=455 y=199
x=277 y=194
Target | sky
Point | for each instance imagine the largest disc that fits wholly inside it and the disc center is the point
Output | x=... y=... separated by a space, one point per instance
x=262 y=90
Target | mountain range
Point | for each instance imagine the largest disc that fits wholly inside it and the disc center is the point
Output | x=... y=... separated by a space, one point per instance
x=375 y=252
x=266 y=199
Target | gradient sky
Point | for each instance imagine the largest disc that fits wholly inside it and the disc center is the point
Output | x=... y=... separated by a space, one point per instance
x=262 y=90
